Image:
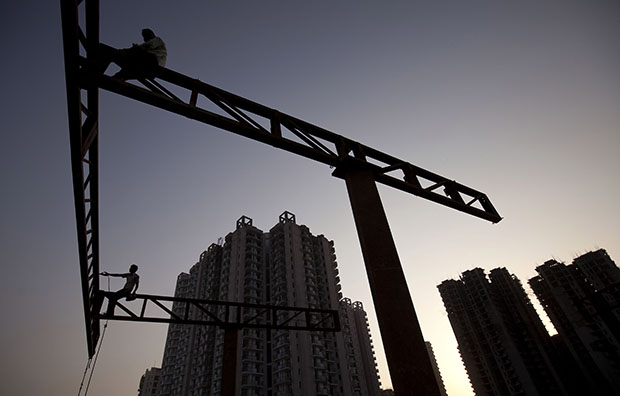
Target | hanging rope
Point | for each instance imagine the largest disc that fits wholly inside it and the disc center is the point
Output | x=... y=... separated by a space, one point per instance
x=84 y=376
x=105 y=326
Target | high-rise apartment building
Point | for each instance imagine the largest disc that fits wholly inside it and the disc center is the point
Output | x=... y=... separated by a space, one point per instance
x=149 y=383
x=431 y=354
x=359 y=347
x=583 y=302
x=287 y=266
x=502 y=341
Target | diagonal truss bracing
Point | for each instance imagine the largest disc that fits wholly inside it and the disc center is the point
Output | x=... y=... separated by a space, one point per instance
x=181 y=94
x=177 y=310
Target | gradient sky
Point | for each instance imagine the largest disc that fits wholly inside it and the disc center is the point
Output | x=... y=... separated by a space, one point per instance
x=520 y=100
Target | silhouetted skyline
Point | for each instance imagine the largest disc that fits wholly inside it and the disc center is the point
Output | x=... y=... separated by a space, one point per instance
x=503 y=341
x=519 y=100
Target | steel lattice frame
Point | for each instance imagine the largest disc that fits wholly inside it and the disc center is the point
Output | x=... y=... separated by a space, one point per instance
x=360 y=166
x=191 y=311
x=83 y=112
x=185 y=96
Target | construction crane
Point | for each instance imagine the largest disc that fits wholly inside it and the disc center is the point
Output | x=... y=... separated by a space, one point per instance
x=360 y=166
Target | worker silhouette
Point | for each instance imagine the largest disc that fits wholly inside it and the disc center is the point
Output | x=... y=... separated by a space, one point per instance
x=128 y=291
x=138 y=61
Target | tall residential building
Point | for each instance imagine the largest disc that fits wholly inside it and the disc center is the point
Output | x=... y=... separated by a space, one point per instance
x=502 y=341
x=359 y=347
x=431 y=354
x=583 y=302
x=287 y=266
x=149 y=383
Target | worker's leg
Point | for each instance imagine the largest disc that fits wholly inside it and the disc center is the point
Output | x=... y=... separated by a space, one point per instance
x=98 y=303
x=114 y=298
x=107 y=55
x=128 y=60
x=136 y=63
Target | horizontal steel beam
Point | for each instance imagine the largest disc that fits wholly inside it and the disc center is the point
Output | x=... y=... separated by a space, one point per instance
x=180 y=94
x=177 y=310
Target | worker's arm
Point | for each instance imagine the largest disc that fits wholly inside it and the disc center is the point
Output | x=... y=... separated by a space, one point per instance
x=105 y=273
x=135 y=288
x=147 y=45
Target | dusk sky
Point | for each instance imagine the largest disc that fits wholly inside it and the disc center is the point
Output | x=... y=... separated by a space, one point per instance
x=518 y=99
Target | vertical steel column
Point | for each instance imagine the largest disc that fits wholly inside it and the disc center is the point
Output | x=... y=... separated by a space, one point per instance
x=229 y=361
x=92 y=135
x=71 y=43
x=410 y=366
x=83 y=130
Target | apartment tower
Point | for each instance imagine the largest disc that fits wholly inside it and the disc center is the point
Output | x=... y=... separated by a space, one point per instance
x=502 y=341
x=149 y=382
x=287 y=266
x=583 y=302
x=359 y=348
x=431 y=354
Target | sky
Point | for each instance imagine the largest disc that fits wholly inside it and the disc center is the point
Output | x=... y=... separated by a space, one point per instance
x=520 y=100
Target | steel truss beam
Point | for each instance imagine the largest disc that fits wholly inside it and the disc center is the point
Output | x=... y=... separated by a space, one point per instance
x=184 y=95
x=82 y=106
x=176 y=310
x=360 y=166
